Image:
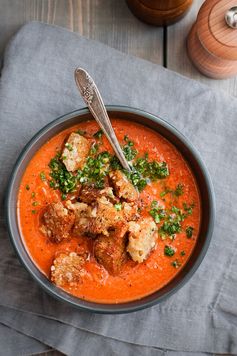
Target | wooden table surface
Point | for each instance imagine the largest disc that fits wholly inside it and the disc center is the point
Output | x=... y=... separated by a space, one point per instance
x=111 y=22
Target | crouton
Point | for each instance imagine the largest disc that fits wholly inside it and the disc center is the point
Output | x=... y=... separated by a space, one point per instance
x=142 y=238
x=90 y=194
x=123 y=187
x=75 y=152
x=57 y=222
x=106 y=217
x=110 y=251
x=130 y=211
x=83 y=217
x=67 y=269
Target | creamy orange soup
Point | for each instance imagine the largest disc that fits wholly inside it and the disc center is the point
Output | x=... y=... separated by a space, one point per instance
x=135 y=280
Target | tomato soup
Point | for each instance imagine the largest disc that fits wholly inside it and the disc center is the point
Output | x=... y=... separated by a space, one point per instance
x=177 y=194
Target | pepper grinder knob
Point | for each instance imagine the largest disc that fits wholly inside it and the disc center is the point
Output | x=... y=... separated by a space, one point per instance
x=212 y=41
x=231 y=17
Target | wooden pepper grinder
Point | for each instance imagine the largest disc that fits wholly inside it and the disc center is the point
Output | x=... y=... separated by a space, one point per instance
x=159 y=12
x=212 y=41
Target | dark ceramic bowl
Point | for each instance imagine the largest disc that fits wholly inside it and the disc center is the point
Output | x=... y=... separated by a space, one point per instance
x=189 y=153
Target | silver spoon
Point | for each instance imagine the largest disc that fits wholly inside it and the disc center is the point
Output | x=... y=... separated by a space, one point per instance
x=93 y=100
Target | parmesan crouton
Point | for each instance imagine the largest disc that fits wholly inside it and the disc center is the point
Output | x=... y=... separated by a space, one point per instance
x=75 y=152
x=123 y=187
x=67 y=269
x=90 y=194
x=83 y=217
x=130 y=211
x=106 y=216
x=57 y=222
x=142 y=238
x=110 y=251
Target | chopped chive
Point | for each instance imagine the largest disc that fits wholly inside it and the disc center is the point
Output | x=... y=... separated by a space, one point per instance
x=35 y=203
x=42 y=176
x=81 y=132
x=189 y=232
x=176 y=263
x=98 y=134
x=27 y=187
x=33 y=211
x=182 y=253
x=169 y=251
x=118 y=206
x=32 y=194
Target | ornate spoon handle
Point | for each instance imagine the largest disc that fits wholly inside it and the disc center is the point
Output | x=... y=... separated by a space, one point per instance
x=93 y=100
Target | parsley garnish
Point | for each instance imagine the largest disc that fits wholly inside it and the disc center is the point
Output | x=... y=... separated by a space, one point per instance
x=189 y=232
x=157 y=212
x=176 y=263
x=27 y=187
x=179 y=190
x=182 y=253
x=98 y=134
x=42 y=176
x=128 y=150
x=169 y=251
x=118 y=206
x=188 y=208
x=81 y=132
x=61 y=178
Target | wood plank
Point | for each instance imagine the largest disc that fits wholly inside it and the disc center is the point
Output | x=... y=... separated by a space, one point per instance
x=108 y=21
x=178 y=60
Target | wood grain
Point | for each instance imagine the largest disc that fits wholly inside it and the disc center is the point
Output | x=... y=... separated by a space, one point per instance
x=178 y=60
x=159 y=12
x=212 y=44
x=108 y=21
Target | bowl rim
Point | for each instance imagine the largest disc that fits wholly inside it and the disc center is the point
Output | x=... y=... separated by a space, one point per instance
x=120 y=307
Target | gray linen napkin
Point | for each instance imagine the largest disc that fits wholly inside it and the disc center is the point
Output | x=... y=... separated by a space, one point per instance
x=16 y=343
x=77 y=342
x=37 y=85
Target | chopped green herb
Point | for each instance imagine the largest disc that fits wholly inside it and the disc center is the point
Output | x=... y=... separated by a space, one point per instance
x=95 y=170
x=42 y=176
x=172 y=225
x=64 y=196
x=152 y=170
x=68 y=146
x=189 y=232
x=33 y=211
x=188 y=208
x=35 y=203
x=157 y=212
x=32 y=194
x=176 y=263
x=162 y=194
x=118 y=206
x=169 y=251
x=60 y=178
x=137 y=180
x=98 y=134
x=94 y=148
x=27 y=187
x=182 y=253
x=81 y=132
x=179 y=190
x=129 y=152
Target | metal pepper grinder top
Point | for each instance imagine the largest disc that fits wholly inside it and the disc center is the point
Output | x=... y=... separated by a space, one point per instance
x=212 y=41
